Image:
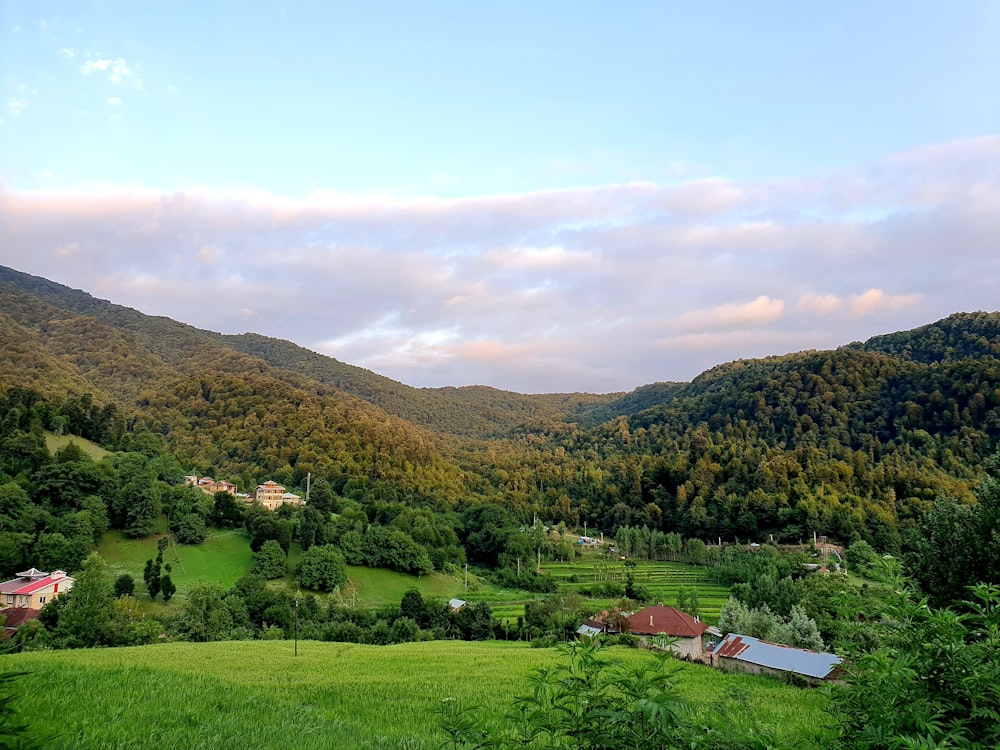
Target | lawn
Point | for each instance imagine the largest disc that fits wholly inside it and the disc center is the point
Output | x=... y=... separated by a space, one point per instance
x=223 y=558
x=54 y=442
x=256 y=694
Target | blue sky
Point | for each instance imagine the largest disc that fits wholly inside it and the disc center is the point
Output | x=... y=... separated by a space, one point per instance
x=536 y=196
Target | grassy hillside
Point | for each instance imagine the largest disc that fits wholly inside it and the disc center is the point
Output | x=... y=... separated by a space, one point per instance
x=223 y=558
x=55 y=442
x=258 y=695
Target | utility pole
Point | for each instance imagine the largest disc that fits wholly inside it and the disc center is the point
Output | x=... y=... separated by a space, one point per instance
x=308 y=477
x=296 y=625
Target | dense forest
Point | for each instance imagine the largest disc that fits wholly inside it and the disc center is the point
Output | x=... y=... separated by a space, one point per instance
x=855 y=443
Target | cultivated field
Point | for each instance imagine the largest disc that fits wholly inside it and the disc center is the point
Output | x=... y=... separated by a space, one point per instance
x=256 y=694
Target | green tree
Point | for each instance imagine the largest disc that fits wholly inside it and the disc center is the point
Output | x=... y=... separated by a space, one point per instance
x=167 y=587
x=269 y=561
x=124 y=585
x=322 y=569
x=86 y=617
x=205 y=616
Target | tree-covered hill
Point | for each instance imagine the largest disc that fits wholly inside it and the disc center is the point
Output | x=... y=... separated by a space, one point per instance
x=854 y=442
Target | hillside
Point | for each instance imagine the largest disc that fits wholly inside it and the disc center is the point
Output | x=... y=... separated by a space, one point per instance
x=259 y=694
x=852 y=442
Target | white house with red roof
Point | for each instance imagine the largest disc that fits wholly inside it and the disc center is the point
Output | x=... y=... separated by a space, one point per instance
x=34 y=588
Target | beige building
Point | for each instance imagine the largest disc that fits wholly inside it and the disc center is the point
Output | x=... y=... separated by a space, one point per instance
x=272 y=496
x=34 y=588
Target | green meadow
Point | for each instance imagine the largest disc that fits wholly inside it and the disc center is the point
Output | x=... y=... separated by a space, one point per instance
x=55 y=442
x=257 y=694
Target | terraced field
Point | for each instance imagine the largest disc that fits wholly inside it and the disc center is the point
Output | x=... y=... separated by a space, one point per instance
x=663 y=580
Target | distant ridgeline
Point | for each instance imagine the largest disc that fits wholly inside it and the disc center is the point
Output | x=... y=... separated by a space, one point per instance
x=850 y=443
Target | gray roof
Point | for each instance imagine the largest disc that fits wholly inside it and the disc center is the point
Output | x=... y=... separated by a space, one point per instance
x=775 y=656
x=588 y=630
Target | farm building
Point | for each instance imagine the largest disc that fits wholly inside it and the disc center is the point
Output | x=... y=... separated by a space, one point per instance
x=689 y=632
x=652 y=623
x=592 y=627
x=761 y=657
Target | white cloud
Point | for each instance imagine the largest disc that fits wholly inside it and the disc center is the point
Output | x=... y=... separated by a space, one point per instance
x=876 y=301
x=117 y=70
x=760 y=311
x=68 y=52
x=820 y=304
x=600 y=288
x=114 y=100
x=16 y=106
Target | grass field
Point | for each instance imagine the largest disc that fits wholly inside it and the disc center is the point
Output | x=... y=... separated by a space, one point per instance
x=223 y=558
x=332 y=695
x=54 y=442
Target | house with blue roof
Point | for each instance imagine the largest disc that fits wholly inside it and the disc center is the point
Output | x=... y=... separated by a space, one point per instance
x=755 y=656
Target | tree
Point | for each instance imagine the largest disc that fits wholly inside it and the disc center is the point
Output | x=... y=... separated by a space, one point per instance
x=124 y=585
x=167 y=587
x=412 y=606
x=191 y=529
x=151 y=575
x=141 y=503
x=206 y=616
x=322 y=569
x=86 y=617
x=269 y=561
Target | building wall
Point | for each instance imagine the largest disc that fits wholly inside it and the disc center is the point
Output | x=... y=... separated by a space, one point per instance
x=689 y=648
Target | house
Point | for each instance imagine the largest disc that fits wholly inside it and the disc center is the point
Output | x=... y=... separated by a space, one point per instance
x=755 y=656
x=650 y=622
x=34 y=588
x=272 y=496
x=210 y=486
x=456 y=604
x=592 y=627
x=17 y=617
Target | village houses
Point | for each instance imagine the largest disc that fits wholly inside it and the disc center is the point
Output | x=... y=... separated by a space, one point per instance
x=270 y=494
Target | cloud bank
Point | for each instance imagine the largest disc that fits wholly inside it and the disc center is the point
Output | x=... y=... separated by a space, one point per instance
x=598 y=289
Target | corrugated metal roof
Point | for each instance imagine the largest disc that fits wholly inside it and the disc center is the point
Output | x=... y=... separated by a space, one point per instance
x=776 y=656
x=588 y=630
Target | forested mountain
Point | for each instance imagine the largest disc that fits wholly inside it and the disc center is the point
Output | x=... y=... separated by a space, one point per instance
x=854 y=442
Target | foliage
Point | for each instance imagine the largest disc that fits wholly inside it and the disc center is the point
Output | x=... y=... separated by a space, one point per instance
x=269 y=561
x=934 y=681
x=124 y=585
x=957 y=545
x=85 y=615
x=205 y=616
x=322 y=569
x=798 y=630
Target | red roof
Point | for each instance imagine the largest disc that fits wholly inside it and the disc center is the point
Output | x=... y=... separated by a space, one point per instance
x=34 y=586
x=660 y=620
x=17 y=616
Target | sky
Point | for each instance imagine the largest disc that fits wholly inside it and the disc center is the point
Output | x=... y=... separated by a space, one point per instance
x=537 y=196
